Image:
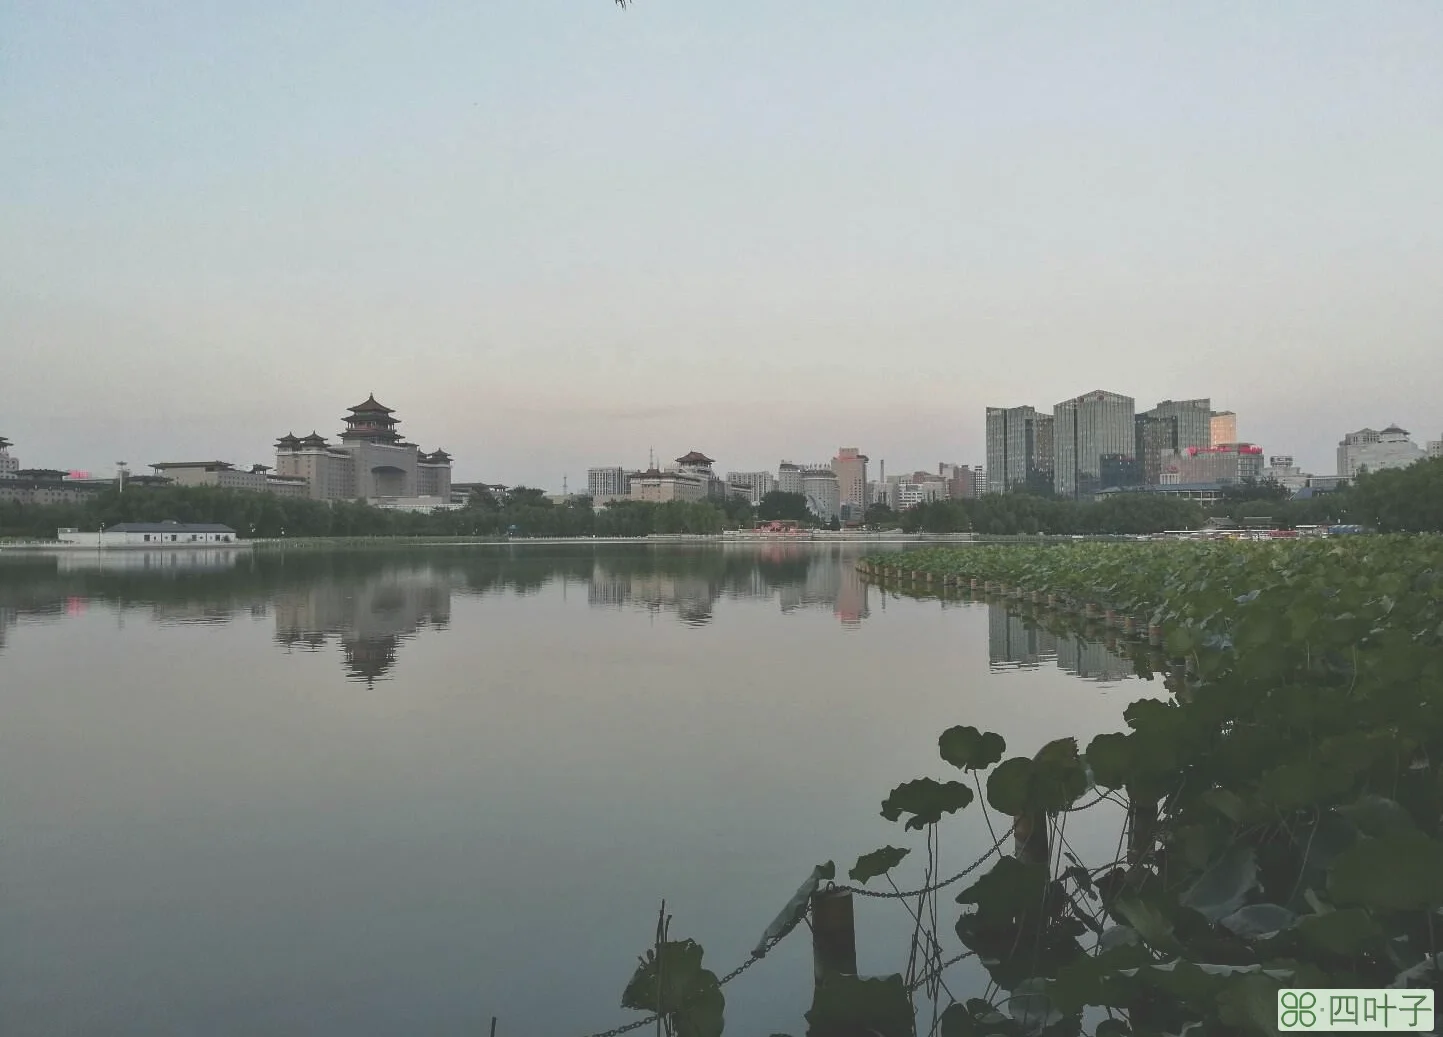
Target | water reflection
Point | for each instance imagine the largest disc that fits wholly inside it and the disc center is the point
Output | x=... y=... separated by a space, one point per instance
x=1020 y=642
x=370 y=617
x=369 y=603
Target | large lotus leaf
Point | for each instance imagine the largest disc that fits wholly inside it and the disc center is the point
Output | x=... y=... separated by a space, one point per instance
x=1008 y=786
x=1249 y=1004
x=1010 y=889
x=1398 y=872
x=1303 y=783
x=1110 y=758
x=1147 y=921
x=970 y=749
x=1377 y=816
x=796 y=908
x=1030 y=1006
x=1224 y=887
x=1049 y=782
x=926 y=800
x=879 y=1005
x=1259 y=921
x=1347 y=931
x=878 y=862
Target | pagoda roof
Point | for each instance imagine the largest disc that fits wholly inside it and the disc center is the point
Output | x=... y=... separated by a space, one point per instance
x=4 y=443
x=694 y=457
x=440 y=456
x=224 y=465
x=314 y=437
x=1395 y=430
x=289 y=437
x=370 y=406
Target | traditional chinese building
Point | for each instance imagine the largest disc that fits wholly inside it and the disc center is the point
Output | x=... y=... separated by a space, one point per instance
x=370 y=461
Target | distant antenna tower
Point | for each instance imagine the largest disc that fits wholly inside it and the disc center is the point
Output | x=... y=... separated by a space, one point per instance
x=650 y=458
x=564 y=491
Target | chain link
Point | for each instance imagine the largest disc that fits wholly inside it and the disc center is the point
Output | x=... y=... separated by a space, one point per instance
x=934 y=973
x=902 y=894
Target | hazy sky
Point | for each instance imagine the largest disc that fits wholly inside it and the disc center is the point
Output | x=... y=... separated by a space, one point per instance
x=552 y=233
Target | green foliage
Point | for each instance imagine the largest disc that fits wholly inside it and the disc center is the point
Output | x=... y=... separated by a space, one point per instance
x=1049 y=782
x=523 y=512
x=784 y=506
x=1284 y=800
x=671 y=982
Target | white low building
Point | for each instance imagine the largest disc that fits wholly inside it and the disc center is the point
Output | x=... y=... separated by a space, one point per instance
x=415 y=504
x=1367 y=450
x=151 y=534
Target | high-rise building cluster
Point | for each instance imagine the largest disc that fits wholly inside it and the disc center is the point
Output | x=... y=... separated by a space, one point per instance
x=1099 y=441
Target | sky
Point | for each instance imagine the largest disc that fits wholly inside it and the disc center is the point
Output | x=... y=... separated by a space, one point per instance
x=554 y=234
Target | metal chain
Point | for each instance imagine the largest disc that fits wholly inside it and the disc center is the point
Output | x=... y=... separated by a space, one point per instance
x=929 y=976
x=760 y=953
x=1099 y=799
x=903 y=894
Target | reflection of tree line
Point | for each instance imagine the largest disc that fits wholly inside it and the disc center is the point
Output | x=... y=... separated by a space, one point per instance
x=372 y=600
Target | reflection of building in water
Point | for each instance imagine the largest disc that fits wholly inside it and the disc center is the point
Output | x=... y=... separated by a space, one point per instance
x=199 y=559
x=1091 y=660
x=691 y=597
x=795 y=575
x=851 y=606
x=1013 y=643
x=7 y=620
x=371 y=617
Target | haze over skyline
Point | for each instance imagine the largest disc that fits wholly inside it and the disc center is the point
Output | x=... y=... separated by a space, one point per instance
x=554 y=234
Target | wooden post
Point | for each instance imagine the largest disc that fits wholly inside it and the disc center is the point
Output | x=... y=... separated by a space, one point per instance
x=834 y=953
x=834 y=934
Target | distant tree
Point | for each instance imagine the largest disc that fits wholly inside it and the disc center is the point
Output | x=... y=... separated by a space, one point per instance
x=482 y=499
x=1257 y=490
x=835 y=524
x=879 y=516
x=779 y=505
x=738 y=511
x=523 y=496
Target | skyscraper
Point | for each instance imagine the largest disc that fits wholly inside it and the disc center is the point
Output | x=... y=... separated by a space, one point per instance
x=1019 y=448
x=1171 y=426
x=850 y=468
x=1192 y=421
x=1223 y=428
x=1087 y=427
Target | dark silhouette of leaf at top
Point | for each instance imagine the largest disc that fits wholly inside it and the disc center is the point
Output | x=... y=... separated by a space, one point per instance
x=927 y=800
x=970 y=749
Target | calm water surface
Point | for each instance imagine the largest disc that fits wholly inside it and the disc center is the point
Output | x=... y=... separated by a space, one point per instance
x=402 y=792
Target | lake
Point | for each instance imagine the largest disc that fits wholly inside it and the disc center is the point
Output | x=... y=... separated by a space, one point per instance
x=403 y=791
